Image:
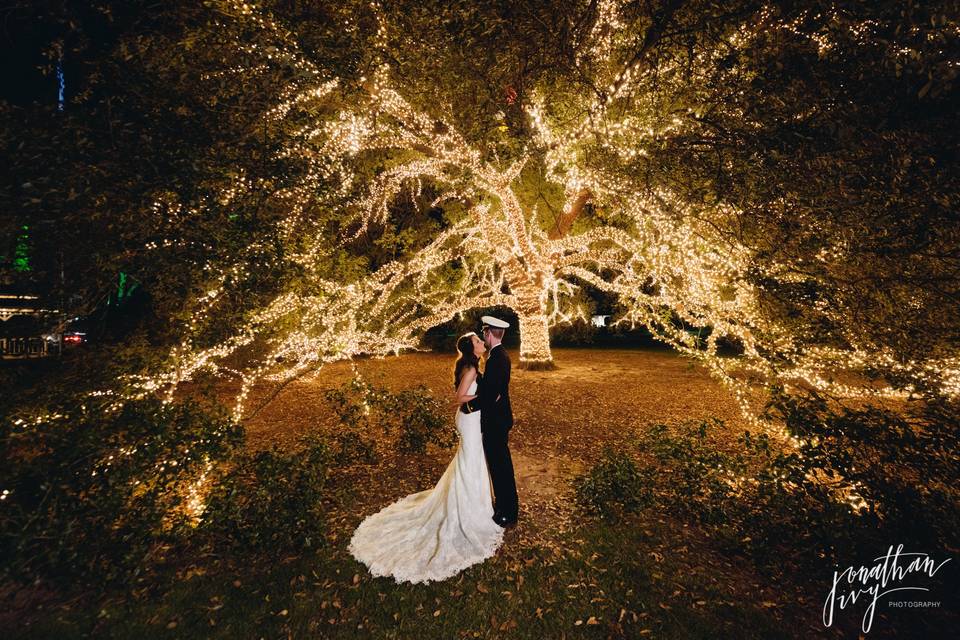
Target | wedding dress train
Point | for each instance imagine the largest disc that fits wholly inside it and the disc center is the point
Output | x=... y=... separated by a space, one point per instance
x=435 y=534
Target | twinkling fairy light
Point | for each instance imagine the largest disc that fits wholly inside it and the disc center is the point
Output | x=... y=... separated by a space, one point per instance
x=667 y=261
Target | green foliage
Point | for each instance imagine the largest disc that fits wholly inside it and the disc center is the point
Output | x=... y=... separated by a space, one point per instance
x=902 y=464
x=412 y=416
x=91 y=493
x=130 y=176
x=417 y=418
x=698 y=474
x=772 y=501
x=270 y=502
x=614 y=486
x=352 y=448
x=746 y=498
x=353 y=442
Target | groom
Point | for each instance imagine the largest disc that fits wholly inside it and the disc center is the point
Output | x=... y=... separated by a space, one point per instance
x=496 y=419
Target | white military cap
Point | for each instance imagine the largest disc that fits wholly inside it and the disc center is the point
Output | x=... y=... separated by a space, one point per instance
x=490 y=321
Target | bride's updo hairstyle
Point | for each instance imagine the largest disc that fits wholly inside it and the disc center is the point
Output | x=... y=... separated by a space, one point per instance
x=467 y=357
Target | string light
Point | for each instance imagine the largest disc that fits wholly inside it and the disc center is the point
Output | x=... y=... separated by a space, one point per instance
x=667 y=262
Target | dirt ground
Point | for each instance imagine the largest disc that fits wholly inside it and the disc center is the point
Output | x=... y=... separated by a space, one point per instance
x=593 y=396
x=563 y=418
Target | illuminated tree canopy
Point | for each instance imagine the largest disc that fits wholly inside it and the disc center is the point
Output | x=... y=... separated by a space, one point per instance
x=361 y=172
x=640 y=151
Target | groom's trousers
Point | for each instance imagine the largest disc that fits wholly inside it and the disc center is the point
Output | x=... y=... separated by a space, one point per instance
x=501 y=471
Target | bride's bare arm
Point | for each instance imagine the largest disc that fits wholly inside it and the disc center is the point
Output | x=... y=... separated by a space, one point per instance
x=468 y=377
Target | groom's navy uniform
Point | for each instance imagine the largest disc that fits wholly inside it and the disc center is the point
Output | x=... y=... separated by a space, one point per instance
x=496 y=419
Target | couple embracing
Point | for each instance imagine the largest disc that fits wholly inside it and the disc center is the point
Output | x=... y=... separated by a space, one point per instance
x=435 y=534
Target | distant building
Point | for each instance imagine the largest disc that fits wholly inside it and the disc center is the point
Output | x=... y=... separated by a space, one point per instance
x=24 y=327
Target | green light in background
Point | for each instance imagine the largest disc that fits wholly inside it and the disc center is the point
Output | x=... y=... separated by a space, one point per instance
x=21 y=252
x=125 y=288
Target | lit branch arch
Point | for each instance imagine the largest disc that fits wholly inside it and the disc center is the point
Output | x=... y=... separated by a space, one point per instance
x=669 y=262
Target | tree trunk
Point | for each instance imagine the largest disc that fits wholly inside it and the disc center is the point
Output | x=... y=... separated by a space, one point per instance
x=570 y=213
x=534 y=338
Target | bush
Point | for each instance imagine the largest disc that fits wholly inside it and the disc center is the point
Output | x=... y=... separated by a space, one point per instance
x=701 y=479
x=350 y=405
x=800 y=501
x=417 y=418
x=413 y=416
x=92 y=491
x=352 y=448
x=270 y=502
x=756 y=499
x=613 y=487
x=902 y=465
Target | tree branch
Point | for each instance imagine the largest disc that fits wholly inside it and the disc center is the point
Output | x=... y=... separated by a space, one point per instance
x=565 y=221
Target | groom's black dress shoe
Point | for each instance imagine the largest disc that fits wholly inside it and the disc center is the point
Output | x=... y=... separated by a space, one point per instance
x=504 y=521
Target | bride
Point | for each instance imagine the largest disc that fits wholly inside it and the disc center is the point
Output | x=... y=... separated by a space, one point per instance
x=435 y=534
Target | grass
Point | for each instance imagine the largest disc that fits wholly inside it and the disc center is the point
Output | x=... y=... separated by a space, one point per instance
x=600 y=582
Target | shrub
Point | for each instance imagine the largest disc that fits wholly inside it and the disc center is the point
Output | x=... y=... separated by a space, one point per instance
x=700 y=478
x=756 y=499
x=417 y=418
x=353 y=448
x=349 y=403
x=770 y=501
x=413 y=416
x=91 y=491
x=270 y=502
x=613 y=487
x=901 y=464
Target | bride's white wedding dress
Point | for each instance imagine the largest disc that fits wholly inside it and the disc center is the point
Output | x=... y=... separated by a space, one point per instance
x=435 y=534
